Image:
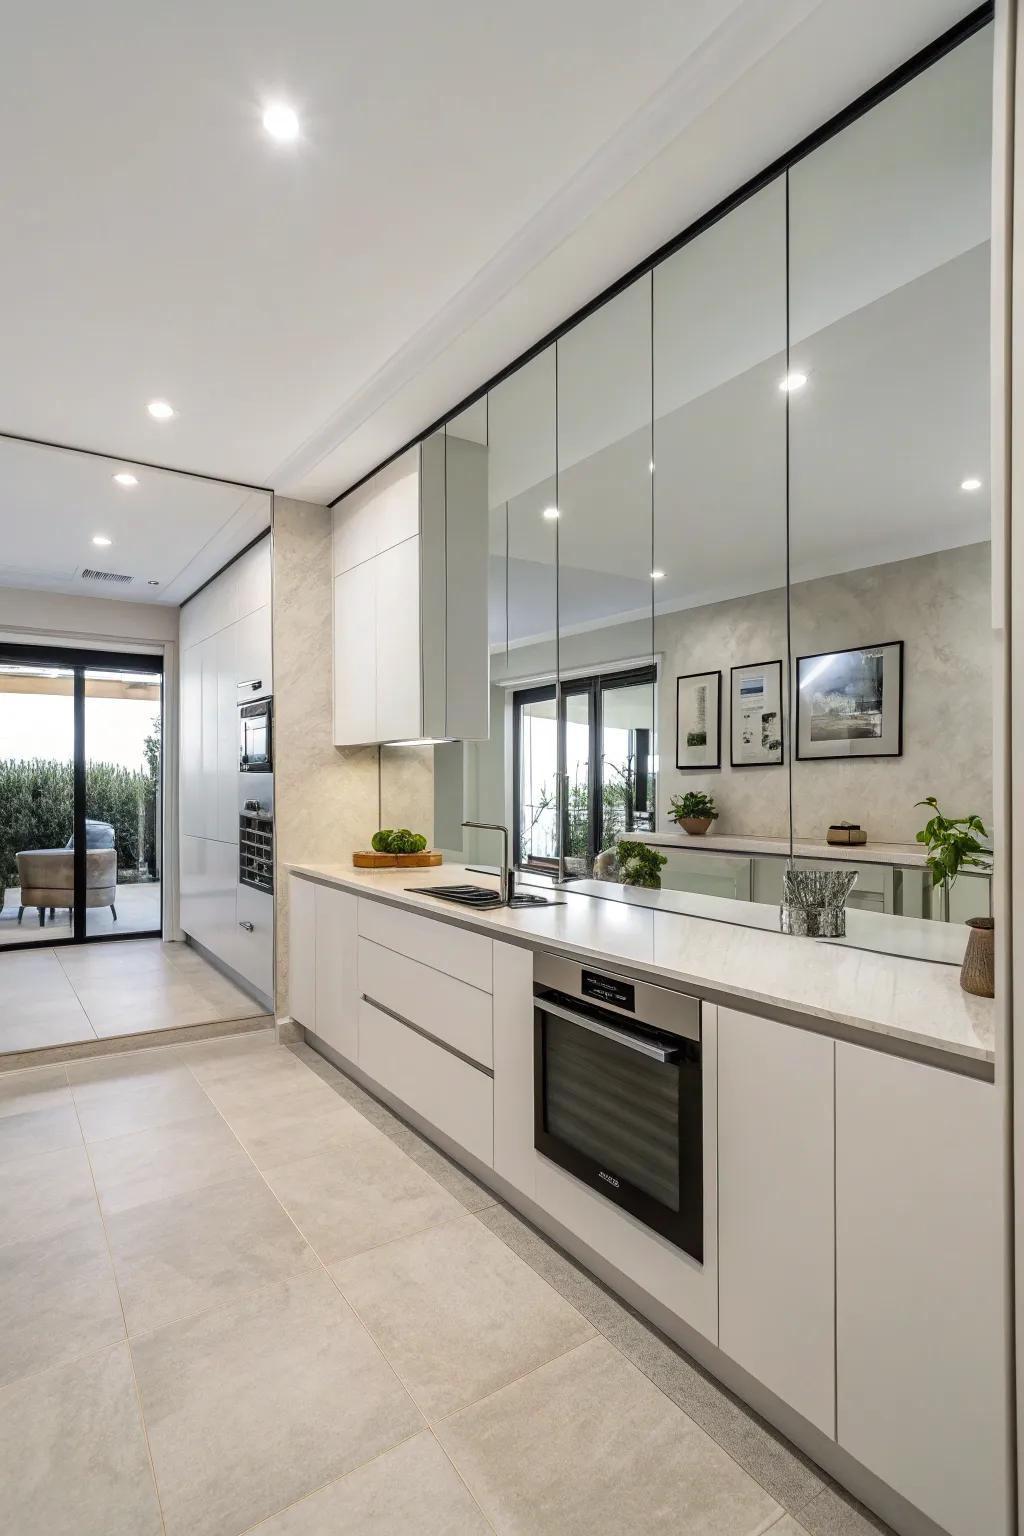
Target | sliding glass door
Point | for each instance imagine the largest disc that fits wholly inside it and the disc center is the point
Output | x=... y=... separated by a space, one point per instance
x=80 y=800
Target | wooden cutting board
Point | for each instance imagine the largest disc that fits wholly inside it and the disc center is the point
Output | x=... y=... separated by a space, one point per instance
x=370 y=860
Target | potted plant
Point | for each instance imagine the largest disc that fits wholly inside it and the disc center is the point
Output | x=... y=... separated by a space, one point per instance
x=953 y=846
x=640 y=865
x=694 y=812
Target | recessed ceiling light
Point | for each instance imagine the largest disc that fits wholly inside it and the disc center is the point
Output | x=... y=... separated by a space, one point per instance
x=280 y=121
x=152 y=583
x=792 y=381
x=972 y=483
x=101 y=539
x=124 y=478
x=551 y=513
x=657 y=575
x=161 y=410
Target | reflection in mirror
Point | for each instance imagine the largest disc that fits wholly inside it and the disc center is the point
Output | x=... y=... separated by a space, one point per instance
x=720 y=546
x=605 y=644
x=889 y=520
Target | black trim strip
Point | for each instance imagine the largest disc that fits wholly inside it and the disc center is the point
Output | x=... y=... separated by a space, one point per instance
x=229 y=563
x=872 y=97
x=426 y=1035
x=120 y=458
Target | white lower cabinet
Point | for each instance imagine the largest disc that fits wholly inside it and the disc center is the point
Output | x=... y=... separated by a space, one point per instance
x=302 y=951
x=444 y=1089
x=921 y=1340
x=450 y=1010
x=776 y=1209
x=514 y=1155
x=254 y=938
x=337 y=998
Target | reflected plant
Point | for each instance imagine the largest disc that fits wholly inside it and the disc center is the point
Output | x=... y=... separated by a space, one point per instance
x=953 y=845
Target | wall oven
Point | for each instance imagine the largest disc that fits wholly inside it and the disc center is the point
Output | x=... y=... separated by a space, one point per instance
x=256 y=745
x=618 y=1092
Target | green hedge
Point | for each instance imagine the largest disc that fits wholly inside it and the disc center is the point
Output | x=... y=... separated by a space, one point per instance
x=36 y=800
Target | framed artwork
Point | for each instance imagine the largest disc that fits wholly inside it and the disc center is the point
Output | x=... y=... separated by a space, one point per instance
x=850 y=703
x=755 y=713
x=699 y=720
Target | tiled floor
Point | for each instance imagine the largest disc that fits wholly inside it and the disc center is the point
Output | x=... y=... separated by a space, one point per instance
x=237 y=1294
x=93 y=991
x=138 y=911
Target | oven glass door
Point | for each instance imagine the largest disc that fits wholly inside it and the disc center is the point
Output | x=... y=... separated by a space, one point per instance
x=620 y=1107
x=255 y=744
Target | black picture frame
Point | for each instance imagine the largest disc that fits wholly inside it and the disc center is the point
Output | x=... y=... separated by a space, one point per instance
x=893 y=730
x=705 y=767
x=754 y=666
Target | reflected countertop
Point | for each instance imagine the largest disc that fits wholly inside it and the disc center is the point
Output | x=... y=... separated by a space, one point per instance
x=905 y=855
x=914 y=1006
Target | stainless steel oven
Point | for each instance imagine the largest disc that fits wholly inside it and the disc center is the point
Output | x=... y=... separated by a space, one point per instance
x=618 y=1092
x=256 y=738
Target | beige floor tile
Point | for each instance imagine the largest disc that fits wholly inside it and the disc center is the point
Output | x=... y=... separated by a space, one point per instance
x=73 y=1458
x=586 y=1446
x=36 y=1088
x=206 y=1248
x=413 y=1490
x=167 y=1160
x=788 y=1526
x=45 y=1193
x=212 y=1059
x=268 y=1082
x=135 y=1096
x=30 y=1132
x=355 y=1197
x=297 y=1128
x=251 y=1407
x=31 y=1023
x=457 y=1314
x=58 y=1300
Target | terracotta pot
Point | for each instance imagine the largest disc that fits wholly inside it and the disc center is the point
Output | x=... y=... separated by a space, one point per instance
x=978 y=972
x=695 y=826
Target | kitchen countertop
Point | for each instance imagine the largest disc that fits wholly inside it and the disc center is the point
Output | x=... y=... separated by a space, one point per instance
x=907 y=855
x=913 y=1006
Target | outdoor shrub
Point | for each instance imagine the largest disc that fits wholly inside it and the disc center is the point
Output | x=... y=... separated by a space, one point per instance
x=36 y=810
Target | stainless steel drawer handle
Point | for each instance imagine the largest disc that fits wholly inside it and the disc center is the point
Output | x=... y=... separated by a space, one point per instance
x=251 y=682
x=249 y=927
x=624 y=1037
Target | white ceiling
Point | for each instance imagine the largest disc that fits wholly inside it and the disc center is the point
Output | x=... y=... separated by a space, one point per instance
x=467 y=175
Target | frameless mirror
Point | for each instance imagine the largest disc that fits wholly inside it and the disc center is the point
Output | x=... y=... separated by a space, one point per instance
x=889 y=514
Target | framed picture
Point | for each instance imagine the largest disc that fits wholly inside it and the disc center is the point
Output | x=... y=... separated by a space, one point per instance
x=850 y=703
x=699 y=720
x=755 y=713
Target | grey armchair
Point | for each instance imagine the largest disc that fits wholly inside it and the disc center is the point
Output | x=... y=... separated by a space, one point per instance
x=47 y=879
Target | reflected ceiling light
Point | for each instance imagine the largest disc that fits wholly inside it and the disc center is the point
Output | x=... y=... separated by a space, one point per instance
x=161 y=410
x=972 y=483
x=792 y=381
x=551 y=513
x=651 y=466
x=281 y=122
x=101 y=539
x=124 y=478
x=657 y=575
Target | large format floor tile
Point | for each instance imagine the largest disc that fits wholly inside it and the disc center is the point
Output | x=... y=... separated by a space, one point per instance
x=167 y=1160
x=413 y=1489
x=73 y=1459
x=297 y=1126
x=586 y=1446
x=457 y=1313
x=44 y=1193
x=58 y=1300
x=31 y=1132
x=205 y=1248
x=358 y=1196
x=139 y=1098
x=251 y=1407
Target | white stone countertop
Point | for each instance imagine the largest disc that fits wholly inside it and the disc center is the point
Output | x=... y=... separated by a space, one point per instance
x=913 y=855
x=851 y=993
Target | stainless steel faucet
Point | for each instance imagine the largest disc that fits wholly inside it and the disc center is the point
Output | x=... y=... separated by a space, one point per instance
x=508 y=876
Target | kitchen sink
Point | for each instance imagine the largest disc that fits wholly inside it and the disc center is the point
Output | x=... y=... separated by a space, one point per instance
x=482 y=897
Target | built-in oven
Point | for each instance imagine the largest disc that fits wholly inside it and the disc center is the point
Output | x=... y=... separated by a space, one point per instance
x=618 y=1093
x=256 y=743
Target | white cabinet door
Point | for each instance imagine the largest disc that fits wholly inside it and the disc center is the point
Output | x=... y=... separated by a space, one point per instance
x=254 y=929
x=194 y=919
x=337 y=997
x=302 y=951
x=252 y=579
x=514 y=1155
x=222 y=893
x=399 y=712
x=776 y=1209
x=191 y=739
x=226 y=829
x=921 y=1347
x=210 y=738
x=355 y=656
x=252 y=669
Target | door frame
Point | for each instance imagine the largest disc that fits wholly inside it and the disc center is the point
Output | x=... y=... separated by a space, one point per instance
x=78 y=660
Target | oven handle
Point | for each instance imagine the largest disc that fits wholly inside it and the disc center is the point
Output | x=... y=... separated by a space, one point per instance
x=662 y=1053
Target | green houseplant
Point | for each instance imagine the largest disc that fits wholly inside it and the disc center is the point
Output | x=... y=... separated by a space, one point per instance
x=953 y=846
x=694 y=812
x=640 y=865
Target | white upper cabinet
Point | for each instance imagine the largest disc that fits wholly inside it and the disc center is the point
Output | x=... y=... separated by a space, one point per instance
x=410 y=599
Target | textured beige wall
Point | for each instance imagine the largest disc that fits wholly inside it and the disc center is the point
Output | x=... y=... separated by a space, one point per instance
x=325 y=796
x=939 y=606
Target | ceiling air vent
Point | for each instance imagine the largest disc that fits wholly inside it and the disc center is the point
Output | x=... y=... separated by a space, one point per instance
x=88 y=574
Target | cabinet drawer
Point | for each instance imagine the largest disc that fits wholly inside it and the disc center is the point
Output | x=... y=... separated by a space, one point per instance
x=453 y=1096
x=452 y=1011
x=442 y=947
